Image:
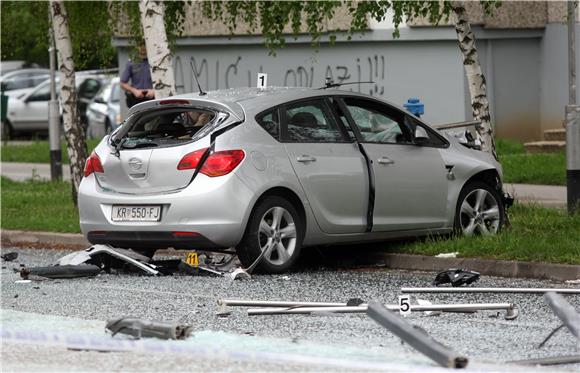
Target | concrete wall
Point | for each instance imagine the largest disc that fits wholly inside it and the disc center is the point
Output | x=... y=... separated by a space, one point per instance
x=554 y=74
x=512 y=70
x=526 y=70
x=432 y=71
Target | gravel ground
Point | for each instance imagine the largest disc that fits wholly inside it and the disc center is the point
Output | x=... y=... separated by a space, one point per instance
x=484 y=336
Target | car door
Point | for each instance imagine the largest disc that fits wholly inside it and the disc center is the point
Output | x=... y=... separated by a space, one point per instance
x=32 y=113
x=410 y=180
x=328 y=164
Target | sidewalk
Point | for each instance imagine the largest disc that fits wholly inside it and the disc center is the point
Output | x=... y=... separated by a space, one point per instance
x=546 y=195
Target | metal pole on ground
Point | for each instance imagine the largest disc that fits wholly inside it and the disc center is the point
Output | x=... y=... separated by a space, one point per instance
x=417 y=339
x=572 y=118
x=54 y=114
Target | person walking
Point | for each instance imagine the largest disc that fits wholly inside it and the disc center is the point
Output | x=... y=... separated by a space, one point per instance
x=136 y=79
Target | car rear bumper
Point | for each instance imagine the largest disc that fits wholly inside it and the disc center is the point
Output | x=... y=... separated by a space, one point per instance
x=210 y=213
x=152 y=240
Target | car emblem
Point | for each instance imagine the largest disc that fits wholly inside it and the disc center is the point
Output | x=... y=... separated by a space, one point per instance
x=135 y=164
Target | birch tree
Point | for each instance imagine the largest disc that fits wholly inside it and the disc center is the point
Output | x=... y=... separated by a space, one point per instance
x=272 y=17
x=158 y=52
x=475 y=77
x=73 y=130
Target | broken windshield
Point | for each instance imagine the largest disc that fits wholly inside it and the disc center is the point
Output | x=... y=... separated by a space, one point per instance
x=165 y=127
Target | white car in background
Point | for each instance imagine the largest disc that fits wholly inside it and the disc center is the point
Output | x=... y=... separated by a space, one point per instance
x=28 y=112
x=17 y=82
x=104 y=112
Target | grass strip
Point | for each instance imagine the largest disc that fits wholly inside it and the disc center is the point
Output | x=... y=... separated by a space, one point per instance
x=37 y=152
x=537 y=234
x=38 y=206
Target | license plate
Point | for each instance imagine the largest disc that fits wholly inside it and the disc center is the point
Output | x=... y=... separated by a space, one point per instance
x=136 y=213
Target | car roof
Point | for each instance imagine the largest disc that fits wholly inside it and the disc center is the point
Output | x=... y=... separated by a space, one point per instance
x=254 y=100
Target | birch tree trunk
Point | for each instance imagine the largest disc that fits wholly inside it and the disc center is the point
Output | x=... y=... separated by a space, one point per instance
x=73 y=130
x=158 y=53
x=475 y=78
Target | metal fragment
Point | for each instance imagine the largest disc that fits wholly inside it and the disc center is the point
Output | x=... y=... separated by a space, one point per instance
x=511 y=309
x=419 y=340
x=148 y=329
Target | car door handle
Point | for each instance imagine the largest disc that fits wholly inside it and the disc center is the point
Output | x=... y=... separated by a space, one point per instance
x=385 y=160
x=305 y=158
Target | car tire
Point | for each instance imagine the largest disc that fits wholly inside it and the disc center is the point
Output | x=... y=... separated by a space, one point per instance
x=275 y=226
x=479 y=210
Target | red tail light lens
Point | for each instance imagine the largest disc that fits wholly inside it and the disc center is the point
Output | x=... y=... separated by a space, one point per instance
x=218 y=164
x=191 y=160
x=93 y=164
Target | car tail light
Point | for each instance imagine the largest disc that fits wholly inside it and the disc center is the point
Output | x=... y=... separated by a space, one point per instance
x=185 y=234
x=93 y=164
x=191 y=160
x=217 y=164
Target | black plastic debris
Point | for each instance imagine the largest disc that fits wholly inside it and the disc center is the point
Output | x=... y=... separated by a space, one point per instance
x=354 y=302
x=67 y=271
x=8 y=257
x=456 y=276
x=148 y=329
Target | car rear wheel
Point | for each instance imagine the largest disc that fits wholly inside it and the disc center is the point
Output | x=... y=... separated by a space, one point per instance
x=276 y=229
x=480 y=210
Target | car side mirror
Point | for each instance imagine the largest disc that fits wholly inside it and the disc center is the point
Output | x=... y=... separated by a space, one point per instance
x=421 y=137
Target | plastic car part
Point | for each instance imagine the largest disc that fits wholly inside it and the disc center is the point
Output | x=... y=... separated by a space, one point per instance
x=148 y=329
x=66 y=271
x=9 y=256
x=95 y=252
x=419 y=340
x=456 y=276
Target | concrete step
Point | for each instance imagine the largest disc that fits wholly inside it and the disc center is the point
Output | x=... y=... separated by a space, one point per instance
x=555 y=135
x=545 y=146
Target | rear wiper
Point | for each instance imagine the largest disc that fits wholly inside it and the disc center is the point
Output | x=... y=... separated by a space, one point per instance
x=117 y=145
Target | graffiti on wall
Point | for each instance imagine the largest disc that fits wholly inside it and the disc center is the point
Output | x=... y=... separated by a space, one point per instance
x=239 y=71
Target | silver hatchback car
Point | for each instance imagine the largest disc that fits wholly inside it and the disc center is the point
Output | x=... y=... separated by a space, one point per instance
x=272 y=171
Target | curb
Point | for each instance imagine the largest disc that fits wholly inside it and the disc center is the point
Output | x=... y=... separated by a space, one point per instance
x=44 y=238
x=487 y=267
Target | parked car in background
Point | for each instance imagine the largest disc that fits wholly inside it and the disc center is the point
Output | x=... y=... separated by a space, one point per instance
x=271 y=171
x=104 y=112
x=17 y=82
x=28 y=112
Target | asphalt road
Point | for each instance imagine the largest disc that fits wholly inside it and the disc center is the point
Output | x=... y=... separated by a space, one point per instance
x=75 y=311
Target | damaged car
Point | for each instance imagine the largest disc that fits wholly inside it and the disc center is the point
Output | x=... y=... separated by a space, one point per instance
x=271 y=171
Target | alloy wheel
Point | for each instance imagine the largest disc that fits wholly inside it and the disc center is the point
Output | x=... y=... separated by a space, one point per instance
x=277 y=235
x=480 y=213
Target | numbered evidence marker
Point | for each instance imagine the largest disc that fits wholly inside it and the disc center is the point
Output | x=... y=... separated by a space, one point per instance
x=192 y=259
x=262 y=80
x=404 y=304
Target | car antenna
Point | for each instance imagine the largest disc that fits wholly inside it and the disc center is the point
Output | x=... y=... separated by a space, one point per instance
x=330 y=84
x=201 y=92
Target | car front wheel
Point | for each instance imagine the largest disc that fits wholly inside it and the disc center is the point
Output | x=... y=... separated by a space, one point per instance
x=479 y=210
x=274 y=228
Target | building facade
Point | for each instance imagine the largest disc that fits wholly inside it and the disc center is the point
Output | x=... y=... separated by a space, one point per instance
x=522 y=49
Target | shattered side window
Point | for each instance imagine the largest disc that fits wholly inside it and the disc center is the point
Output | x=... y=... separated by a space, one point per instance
x=376 y=124
x=312 y=122
x=270 y=121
